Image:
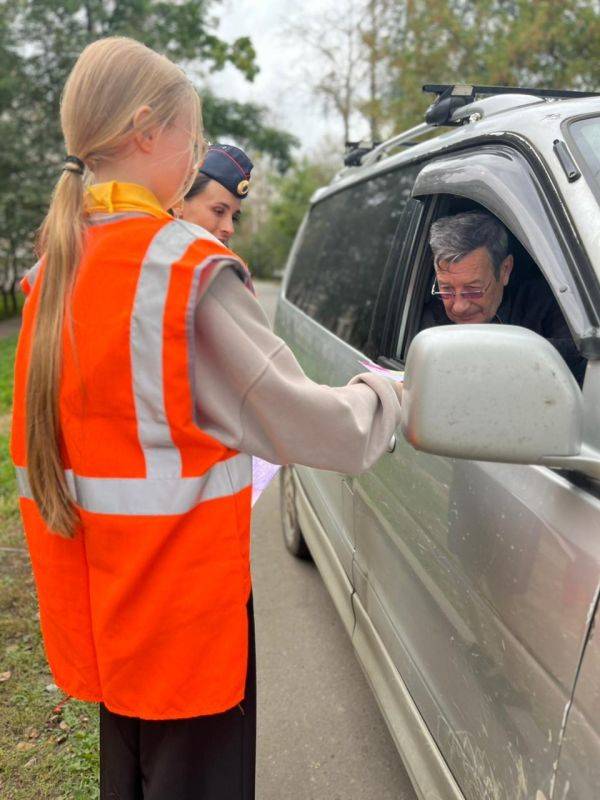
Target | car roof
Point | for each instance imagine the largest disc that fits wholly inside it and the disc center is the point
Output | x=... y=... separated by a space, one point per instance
x=535 y=121
x=538 y=121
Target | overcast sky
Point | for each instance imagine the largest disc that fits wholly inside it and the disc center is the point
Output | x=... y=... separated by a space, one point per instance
x=278 y=84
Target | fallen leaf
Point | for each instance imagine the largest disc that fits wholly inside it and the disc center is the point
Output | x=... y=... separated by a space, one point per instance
x=25 y=746
x=4 y=676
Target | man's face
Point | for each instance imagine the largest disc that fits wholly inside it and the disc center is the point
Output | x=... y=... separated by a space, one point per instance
x=474 y=273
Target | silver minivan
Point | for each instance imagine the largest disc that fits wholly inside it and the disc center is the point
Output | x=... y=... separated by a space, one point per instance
x=466 y=564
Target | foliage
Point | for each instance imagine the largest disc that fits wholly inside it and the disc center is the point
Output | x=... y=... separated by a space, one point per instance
x=266 y=235
x=550 y=43
x=396 y=46
x=244 y=122
x=497 y=42
x=335 y=68
x=39 y=42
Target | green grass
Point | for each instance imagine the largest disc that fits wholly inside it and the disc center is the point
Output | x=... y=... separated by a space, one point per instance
x=46 y=752
x=8 y=495
x=7 y=357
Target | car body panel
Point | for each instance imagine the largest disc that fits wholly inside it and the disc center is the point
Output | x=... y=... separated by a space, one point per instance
x=471 y=605
x=472 y=584
x=326 y=360
x=579 y=766
x=324 y=554
x=427 y=768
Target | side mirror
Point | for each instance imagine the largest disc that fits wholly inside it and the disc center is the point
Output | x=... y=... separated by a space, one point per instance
x=491 y=393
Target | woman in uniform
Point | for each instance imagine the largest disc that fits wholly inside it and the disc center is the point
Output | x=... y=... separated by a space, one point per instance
x=215 y=198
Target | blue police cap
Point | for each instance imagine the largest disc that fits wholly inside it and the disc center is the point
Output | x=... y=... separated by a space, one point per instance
x=230 y=166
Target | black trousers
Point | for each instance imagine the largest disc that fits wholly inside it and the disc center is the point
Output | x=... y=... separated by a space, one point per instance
x=202 y=758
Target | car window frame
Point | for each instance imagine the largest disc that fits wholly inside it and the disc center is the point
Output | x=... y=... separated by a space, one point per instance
x=399 y=303
x=580 y=160
x=464 y=175
x=412 y=302
x=391 y=259
x=395 y=277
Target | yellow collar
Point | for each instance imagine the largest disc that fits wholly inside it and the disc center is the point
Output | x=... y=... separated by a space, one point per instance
x=113 y=197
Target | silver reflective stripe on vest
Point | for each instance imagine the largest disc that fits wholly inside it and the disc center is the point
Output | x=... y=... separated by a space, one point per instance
x=162 y=497
x=23 y=483
x=190 y=312
x=100 y=218
x=32 y=273
x=163 y=459
x=164 y=491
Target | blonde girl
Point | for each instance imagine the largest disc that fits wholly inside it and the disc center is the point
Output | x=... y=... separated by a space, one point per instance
x=146 y=378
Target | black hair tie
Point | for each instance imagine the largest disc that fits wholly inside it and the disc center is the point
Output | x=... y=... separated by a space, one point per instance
x=74 y=164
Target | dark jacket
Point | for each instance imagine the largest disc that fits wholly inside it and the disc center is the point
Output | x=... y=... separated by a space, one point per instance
x=531 y=305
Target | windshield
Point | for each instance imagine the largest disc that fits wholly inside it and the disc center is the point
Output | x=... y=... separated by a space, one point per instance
x=586 y=133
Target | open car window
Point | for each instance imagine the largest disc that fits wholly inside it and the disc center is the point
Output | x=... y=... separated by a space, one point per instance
x=527 y=300
x=499 y=179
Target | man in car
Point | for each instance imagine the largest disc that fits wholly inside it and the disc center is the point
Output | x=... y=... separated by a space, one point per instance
x=473 y=269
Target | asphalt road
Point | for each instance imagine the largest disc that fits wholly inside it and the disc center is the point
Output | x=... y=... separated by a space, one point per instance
x=320 y=733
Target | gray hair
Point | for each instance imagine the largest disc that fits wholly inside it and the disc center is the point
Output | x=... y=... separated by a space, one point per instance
x=452 y=238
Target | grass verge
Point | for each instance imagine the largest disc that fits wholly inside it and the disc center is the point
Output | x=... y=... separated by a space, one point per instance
x=47 y=750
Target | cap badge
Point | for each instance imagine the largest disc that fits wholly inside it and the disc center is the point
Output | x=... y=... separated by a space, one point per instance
x=243 y=187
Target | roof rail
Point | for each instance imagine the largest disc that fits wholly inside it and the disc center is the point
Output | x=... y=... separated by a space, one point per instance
x=450 y=97
x=356 y=150
x=406 y=139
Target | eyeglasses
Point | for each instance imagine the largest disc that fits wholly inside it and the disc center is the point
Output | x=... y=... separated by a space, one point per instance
x=471 y=295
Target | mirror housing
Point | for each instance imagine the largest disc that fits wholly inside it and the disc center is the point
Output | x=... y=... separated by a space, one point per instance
x=491 y=393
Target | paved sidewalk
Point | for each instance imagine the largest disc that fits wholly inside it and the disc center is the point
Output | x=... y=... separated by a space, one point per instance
x=9 y=326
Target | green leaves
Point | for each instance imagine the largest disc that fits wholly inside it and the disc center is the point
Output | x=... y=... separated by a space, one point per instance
x=245 y=123
x=268 y=228
x=550 y=43
x=39 y=43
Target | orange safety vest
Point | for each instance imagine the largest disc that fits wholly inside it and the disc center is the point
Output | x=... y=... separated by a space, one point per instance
x=145 y=608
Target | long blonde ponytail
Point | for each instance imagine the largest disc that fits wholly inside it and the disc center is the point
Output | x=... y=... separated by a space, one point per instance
x=111 y=79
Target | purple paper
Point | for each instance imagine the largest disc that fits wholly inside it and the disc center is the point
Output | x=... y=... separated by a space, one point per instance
x=396 y=376
x=263 y=473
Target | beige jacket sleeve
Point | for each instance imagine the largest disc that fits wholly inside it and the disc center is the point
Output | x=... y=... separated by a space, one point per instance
x=252 y=395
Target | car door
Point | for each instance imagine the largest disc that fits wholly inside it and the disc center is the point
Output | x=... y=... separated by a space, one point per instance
x=578 y=774
x=465 y=571
x=327 y=311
